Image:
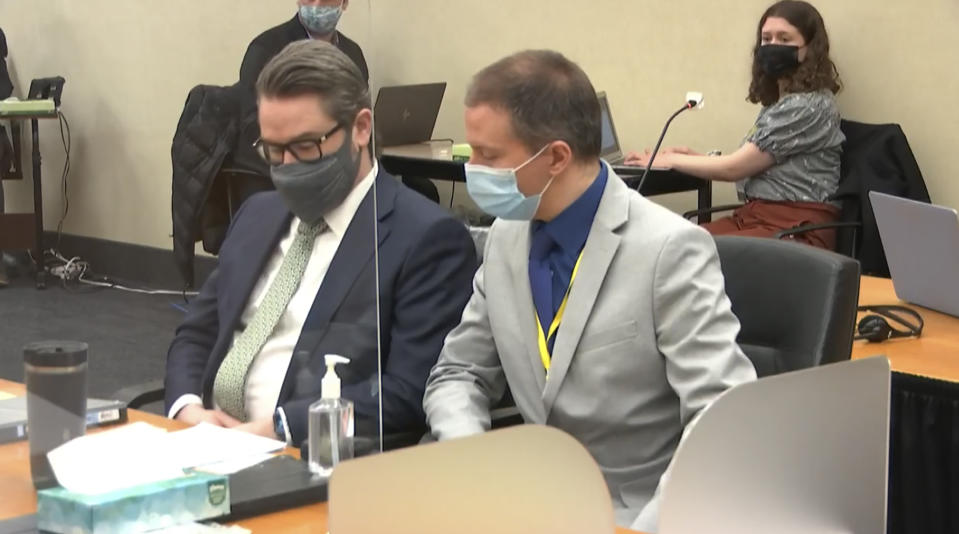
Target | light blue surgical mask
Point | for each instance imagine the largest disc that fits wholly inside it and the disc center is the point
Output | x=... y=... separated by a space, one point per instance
x=321 y=20
x=496 y=192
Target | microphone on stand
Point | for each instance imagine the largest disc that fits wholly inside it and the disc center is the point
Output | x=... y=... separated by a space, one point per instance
x=693 y=100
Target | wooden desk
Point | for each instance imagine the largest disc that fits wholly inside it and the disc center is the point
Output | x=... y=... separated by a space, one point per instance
x=935 y=354
x=17 y=496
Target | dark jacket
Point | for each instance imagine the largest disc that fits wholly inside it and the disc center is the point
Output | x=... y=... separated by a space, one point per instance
x=427 y=261
x=269 y=43
x=876 y=157
x=6 y=86
x=205 y=136
x=6 y=89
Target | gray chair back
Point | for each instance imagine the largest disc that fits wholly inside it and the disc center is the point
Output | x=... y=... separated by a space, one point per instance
x=796 y=303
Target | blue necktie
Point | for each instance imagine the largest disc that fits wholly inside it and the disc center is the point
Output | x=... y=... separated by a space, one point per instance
x=541 y=278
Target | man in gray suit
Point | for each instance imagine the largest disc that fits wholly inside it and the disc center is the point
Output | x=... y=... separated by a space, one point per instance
x=605 y=314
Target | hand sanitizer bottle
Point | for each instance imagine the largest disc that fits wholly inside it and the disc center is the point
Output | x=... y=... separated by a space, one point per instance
x=330 y=423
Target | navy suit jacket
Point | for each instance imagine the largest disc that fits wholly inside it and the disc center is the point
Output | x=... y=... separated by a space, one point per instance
x=427 y=261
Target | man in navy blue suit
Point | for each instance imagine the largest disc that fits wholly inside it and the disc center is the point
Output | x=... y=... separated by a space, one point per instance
x=296 y=278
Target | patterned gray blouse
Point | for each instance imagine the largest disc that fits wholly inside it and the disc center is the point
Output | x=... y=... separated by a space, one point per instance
x=801 y=131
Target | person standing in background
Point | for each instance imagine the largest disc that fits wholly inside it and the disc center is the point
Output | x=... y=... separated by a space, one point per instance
x=315 y=19
x=787 y=169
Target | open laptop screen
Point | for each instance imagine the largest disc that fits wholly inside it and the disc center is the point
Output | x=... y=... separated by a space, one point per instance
x=610 y=142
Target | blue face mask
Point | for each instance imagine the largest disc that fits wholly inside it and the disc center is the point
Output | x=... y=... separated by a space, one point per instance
x=321 y=20
x=495 y=191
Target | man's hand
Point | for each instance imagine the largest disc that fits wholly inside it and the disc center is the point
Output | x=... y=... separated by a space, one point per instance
x=193 y=414
x=261 y=427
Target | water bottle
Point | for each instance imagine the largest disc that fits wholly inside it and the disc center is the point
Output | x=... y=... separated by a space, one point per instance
x=56 y=378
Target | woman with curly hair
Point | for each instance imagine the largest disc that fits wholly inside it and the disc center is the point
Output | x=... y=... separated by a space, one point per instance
x=787 y=169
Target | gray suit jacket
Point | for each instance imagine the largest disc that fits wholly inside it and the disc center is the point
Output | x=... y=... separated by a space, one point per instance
x=648 y=340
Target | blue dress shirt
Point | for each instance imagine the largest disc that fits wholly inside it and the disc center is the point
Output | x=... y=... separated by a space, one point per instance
x=554 y=248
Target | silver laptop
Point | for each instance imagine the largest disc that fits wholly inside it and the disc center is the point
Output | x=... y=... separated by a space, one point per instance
x=611 y=151
x=406 y=114
x=921 y=242
x=802 y=452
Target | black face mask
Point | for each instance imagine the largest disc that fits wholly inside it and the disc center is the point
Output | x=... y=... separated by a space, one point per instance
x=778 y=60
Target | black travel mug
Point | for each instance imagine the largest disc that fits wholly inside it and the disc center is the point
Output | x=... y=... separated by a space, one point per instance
x=56 y=377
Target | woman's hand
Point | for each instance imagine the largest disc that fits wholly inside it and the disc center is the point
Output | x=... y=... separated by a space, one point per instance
x=662 y=157
x=679 y=150
x=641 y=159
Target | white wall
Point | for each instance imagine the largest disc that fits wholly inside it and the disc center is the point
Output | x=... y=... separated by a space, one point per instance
x=130 y=63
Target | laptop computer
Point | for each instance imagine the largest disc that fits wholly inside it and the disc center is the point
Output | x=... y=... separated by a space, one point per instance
x=921 y=242
x=406 y=114
x=802 y=452
x=46 y=89
x=610 y=151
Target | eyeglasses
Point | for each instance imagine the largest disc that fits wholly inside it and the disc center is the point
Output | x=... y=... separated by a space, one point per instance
x=303 y=150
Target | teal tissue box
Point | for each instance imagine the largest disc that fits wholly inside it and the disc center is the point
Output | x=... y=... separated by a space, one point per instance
x=150 y=506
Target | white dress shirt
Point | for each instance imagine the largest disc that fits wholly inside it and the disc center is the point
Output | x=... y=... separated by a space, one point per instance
x=268 y=370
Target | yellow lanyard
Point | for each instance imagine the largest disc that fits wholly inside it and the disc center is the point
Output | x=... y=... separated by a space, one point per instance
x=544 y=353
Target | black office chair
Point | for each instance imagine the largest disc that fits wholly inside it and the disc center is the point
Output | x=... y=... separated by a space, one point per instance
x=241 y=184
x=796 y=304
x=423 y=186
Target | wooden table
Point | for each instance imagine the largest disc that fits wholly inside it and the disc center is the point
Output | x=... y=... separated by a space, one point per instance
x=935 y=354
x=17 y=496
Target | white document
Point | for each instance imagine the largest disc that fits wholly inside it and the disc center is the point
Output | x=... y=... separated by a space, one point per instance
x=206 y=444
x=228 y=467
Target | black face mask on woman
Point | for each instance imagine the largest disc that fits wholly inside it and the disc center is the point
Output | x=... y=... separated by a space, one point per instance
x=778 y=60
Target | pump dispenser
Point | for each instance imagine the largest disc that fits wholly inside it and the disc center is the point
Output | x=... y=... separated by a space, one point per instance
x=330 y=423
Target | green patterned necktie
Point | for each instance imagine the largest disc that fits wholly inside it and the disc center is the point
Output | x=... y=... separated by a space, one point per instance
x=229 y=387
